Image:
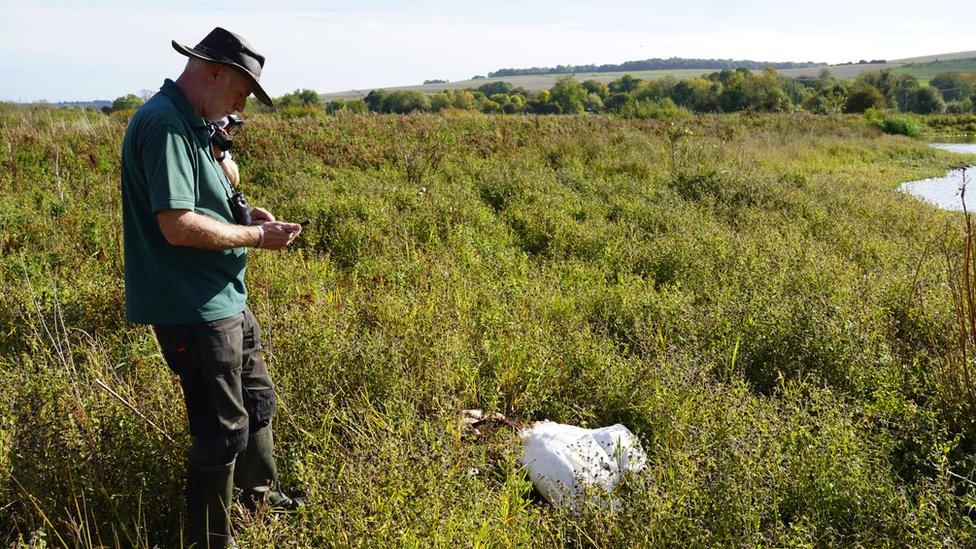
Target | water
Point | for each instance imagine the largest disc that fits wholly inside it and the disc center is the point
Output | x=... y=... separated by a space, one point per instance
x=943 y=192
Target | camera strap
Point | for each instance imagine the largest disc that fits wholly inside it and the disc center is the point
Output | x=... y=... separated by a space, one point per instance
x=214 y=165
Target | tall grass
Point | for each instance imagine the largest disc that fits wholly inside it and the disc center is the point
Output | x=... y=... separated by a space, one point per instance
x=958 y=377
x=747 y=293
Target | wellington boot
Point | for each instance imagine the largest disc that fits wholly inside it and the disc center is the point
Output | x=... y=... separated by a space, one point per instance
x=209 y=492
x=257 y=475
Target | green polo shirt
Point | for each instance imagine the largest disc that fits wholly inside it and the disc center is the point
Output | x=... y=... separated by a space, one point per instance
x=167 y=163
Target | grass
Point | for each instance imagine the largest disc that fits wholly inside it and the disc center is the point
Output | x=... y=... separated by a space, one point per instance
x=752 y=298
x=926 y=71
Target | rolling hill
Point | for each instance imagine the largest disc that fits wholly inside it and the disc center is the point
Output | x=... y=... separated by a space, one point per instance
x=924 y=68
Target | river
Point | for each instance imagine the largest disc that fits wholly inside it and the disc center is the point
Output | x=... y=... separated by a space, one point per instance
x=944 y=192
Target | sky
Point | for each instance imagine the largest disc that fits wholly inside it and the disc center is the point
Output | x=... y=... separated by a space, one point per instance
x=79 y=51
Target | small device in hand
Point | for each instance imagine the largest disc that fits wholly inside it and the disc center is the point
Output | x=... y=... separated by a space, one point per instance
x=222 y=139
x=240 y=209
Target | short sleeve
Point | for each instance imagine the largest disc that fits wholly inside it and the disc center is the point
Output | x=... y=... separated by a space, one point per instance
x=167 y=159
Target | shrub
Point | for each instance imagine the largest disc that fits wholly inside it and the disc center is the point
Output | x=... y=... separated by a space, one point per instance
x=128 y=102
x=864 y=97
x=569 y=94
x=902 y=125
x=928 y=100
x=302 y=99
x=406 y=101
x=955 y=86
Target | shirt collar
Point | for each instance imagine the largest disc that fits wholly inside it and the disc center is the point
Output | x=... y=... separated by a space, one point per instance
x=176 y=95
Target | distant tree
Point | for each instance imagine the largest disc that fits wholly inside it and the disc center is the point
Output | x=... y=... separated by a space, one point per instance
x=767 y=93
x=827 y=100
x=593 y=103
x=124 y=103
x=406 y=101
x=490 y=106
x=356 y=106
x=955 y=86
x=569 y=94
x=959 y=107
x=696 y=94
x=624 y=84
x=500 y=98
x=904 y=90
x=543 y=104
x=374 y=100
x=440 y=101
x=928 y=100
x=464 y=100
x=735 y=94
x=864 y=97
x=798 y=90
x=492 y=88
x=307 y=99
x=773 y=99
x=618 y=102
x=599 y=88
x=884 y=81
x=435 y=81
x=655 y=90
x=334 y=106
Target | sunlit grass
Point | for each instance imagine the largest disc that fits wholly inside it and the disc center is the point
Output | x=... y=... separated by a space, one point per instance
x=752 y=298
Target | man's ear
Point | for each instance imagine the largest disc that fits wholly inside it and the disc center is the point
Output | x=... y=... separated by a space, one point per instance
x=215 y=70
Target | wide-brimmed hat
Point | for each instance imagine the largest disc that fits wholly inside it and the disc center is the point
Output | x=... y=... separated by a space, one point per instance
x=228 y=49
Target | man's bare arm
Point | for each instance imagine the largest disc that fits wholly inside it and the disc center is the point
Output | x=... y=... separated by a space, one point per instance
x=231 y=170
x=187 y=228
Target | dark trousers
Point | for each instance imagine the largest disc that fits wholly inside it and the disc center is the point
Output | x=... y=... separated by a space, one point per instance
x=226 y=387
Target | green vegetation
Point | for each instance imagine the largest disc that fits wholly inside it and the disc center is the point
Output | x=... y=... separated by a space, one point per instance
x=928 y=70
x=745 y=292
x=896 y=124
x=668 y=97
x=125 y=103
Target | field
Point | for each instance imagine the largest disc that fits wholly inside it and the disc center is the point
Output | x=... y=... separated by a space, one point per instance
x=747 y=293
x=925 y=71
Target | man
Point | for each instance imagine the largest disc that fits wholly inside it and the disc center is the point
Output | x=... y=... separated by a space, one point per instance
x=184 y=274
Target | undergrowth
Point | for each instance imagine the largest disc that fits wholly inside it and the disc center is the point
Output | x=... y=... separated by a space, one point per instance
x=748 y=294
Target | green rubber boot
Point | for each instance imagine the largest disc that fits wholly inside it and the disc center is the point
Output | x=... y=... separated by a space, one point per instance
x=257 y=475
x=209 y=493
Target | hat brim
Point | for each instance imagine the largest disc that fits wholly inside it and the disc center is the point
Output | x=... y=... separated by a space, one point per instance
x=257 y=90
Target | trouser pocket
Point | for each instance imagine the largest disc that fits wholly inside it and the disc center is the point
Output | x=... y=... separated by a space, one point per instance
x=208 y=358
x=259 y=393
x=174 y=342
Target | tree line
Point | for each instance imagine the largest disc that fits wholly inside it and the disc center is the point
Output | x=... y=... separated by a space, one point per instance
x=728 y=90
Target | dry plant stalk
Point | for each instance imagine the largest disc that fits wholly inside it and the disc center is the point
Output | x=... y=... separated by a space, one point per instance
x=957 y=394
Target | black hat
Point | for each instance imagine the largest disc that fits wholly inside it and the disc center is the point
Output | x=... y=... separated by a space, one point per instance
x=224 y=47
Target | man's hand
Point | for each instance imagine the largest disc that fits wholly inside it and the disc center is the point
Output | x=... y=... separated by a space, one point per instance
x=260 y=216
x=277 y=235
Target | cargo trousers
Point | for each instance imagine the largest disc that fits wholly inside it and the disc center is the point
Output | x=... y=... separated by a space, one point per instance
x=226 y=387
